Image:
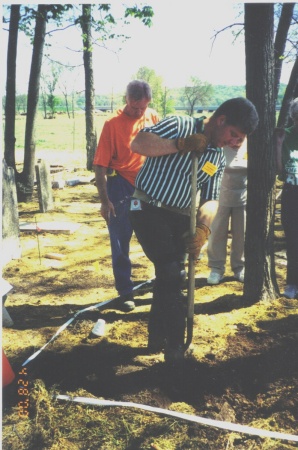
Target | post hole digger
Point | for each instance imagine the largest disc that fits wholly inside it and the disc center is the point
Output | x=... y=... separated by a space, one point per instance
x=198 y=234
x=194 y=238
x=191 y=262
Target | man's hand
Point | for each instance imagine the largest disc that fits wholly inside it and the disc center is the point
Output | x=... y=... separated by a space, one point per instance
x=106 y=210
x=193 y=244
x=193 y=143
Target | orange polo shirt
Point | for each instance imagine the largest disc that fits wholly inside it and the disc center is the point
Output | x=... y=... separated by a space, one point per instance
x=113 y=150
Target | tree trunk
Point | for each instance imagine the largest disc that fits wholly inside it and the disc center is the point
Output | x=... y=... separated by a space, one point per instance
x=290 y=94
x=260 y=277
x=91 y=138
x=281 y=40
x=26 y=180
x=44 y=103
x=10 y=104
x=66 y=104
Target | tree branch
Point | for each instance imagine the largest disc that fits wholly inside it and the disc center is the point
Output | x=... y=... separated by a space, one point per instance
x=224 y=29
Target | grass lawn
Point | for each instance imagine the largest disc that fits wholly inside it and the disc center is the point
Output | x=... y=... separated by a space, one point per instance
x=57 y=138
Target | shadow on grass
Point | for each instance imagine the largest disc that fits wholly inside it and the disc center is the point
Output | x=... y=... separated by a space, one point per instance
x=94 y=367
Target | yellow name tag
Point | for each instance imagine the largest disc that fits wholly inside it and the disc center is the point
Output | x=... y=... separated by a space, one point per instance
x=209 y=168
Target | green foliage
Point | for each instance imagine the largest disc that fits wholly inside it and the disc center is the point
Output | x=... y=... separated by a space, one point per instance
x=49 y=80
x=54 y=13
x=159 y=98
x=197 y=93
x=223 y=93
x=105 y=24
x=168 y=104
x=281 y=93
x=169 y=99
x=52 y=104
x=145 y=14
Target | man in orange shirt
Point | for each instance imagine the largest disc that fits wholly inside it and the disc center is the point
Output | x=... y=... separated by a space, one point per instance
x=116 y=168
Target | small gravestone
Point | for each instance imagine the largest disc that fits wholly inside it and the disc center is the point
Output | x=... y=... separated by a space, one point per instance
x=44 y=186
x=11 y=246
x=5 y=287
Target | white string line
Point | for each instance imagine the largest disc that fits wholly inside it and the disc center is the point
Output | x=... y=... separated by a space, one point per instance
x=66 y=324
x=210 y=422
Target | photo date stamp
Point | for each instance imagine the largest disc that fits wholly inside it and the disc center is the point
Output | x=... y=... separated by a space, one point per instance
x=23 y=394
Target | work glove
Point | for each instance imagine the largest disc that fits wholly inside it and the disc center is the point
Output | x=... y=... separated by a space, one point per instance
x=193 y=244
x=193 y=143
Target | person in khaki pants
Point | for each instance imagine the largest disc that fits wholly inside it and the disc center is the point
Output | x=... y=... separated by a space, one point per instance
x=231 y=212
x=287 y=169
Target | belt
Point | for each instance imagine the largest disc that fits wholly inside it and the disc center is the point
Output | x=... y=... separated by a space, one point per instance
x=111 y=173
x=147 y=199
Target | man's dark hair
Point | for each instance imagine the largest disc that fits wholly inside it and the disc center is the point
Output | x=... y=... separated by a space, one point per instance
x=240 y=113
x=138 y=89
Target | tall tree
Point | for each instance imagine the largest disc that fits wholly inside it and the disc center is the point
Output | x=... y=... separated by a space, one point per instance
x=66 y=88
x=288 y=17
x=55 y=12
x=281 y=40
x=290 y=93
x=260 y=278
x=197 y=93
x=285 y=49
x=10 y=102
x=103 y=28
x=263 y=68
x=156 y=84
x=167 y=103
x=50 y=78
x=21 y=104
x=26 y=178
x=43 y=94
x=91 y=137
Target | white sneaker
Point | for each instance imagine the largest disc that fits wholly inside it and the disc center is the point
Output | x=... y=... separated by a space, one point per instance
x=214 y=278
x=240 y=276
x=291 y=291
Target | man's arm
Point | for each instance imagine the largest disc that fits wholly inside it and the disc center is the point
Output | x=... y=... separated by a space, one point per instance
x=205 y=216
x=107 y=207
x=150 y=144
x=206 y=212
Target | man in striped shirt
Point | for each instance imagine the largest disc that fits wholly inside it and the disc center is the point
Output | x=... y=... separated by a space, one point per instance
x=161 y=203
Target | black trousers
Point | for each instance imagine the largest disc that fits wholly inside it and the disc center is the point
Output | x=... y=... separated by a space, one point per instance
x=160 y=233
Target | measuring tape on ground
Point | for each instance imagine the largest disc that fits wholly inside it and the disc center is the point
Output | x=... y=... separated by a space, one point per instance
x=197 y=419
x=66 y=324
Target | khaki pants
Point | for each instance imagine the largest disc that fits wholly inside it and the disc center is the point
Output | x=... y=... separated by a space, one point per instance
x=218 y=239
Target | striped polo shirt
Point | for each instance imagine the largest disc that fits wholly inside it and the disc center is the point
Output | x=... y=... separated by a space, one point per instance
x=168 y=178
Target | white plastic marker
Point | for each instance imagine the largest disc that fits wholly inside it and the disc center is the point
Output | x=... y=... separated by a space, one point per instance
x=66 y=324
x=202 y=420
x=99 y=328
